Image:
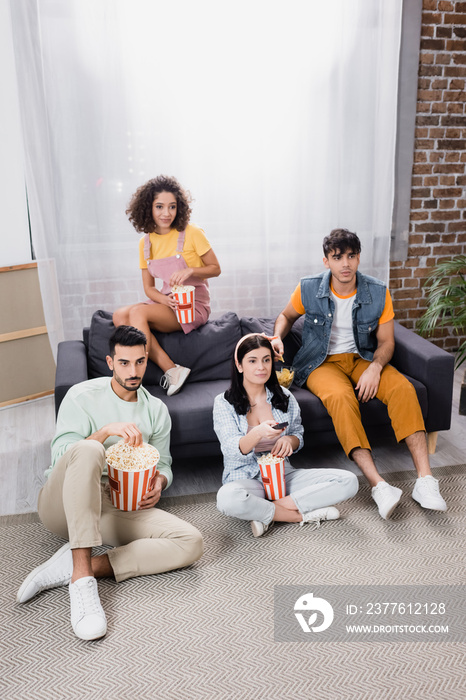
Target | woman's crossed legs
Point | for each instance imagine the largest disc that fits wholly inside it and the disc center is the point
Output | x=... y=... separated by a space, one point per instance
x=308 y=489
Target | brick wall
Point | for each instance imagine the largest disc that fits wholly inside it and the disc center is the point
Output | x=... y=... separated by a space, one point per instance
x=438 y=190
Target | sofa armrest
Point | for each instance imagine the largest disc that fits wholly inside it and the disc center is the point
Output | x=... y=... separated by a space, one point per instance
x=434 y=367
x=71 y=368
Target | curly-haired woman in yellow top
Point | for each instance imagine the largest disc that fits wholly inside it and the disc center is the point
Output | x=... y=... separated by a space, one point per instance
x=174 y=252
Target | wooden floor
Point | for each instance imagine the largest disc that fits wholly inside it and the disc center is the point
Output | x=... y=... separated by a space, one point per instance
x=27 y=429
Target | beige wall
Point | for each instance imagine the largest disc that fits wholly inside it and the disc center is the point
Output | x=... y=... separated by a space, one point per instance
x=27 y=368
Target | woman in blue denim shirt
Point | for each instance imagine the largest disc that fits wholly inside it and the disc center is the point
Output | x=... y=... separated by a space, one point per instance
x=244 y=417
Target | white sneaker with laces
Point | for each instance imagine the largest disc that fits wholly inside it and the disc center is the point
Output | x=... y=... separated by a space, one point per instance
x=174 y=378
x=387 y=498
x=87 y=615
x=55 y=572
x=315 y=516
x=259 y=528
x=426 y=493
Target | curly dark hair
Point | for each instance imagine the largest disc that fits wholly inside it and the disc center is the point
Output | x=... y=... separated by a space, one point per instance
x=342 y=240
x=140 y=207
x=237 y=395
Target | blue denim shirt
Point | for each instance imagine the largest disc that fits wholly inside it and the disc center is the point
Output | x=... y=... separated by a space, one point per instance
x=368 y=306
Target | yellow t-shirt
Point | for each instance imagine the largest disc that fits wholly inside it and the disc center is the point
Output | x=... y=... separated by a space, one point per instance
x=387 y=313
x=195 y=246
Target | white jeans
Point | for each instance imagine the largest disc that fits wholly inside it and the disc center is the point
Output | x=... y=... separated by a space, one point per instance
x=309 y=488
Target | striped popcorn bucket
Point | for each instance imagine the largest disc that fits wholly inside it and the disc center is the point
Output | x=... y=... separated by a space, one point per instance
x=184 y=295
x=273 y=477
x=127 y=488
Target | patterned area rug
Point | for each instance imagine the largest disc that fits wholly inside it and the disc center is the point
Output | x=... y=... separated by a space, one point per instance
x=206 y=632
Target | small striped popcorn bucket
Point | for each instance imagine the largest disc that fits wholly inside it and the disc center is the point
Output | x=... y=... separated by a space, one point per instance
x=127 y=488
x=273 y=476
x=184 y=294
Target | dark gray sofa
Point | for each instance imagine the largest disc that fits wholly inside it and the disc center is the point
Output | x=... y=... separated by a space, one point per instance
x=208 y=351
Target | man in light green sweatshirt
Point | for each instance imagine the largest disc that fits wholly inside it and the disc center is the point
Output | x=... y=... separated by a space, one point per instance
x=75 y=504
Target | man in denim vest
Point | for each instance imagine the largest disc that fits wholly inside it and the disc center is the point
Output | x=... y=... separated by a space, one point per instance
x=348 y=341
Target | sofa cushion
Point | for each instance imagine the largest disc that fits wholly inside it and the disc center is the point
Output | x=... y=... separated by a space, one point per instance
x=99 y=334
x=292 y=341
x=191 y=411
x=207 y=350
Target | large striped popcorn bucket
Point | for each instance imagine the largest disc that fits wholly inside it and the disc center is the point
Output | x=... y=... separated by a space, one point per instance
x=273 y=476
x=184 y=294
x=132 y=478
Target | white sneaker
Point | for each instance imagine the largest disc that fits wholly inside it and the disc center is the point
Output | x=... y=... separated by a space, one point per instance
x=259 y=528
x=387 y=498
x=315 y=516
x=426 y=493
x=174 y=378
x=55 y=572
x=87 y=615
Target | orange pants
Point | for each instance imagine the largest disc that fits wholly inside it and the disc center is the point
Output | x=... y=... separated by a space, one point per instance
x=334 y=381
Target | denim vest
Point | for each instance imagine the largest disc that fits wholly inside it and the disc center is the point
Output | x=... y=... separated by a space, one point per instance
x=368 y=306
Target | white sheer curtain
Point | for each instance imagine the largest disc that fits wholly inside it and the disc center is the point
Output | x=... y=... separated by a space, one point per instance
x=279 y=118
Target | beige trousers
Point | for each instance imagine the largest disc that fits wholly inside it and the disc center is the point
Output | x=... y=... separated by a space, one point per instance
x=75 y=505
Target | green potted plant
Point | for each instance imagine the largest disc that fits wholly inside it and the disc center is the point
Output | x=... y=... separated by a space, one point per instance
x=446 y=297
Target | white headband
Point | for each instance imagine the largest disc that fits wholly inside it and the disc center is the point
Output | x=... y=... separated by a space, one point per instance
x=249 y=335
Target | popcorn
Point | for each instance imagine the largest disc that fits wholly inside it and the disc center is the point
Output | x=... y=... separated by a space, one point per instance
x=182 y=288
x=273 y=476
x=265 y=459
x=128 y=458
x=184 y=294
x=131 y=473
